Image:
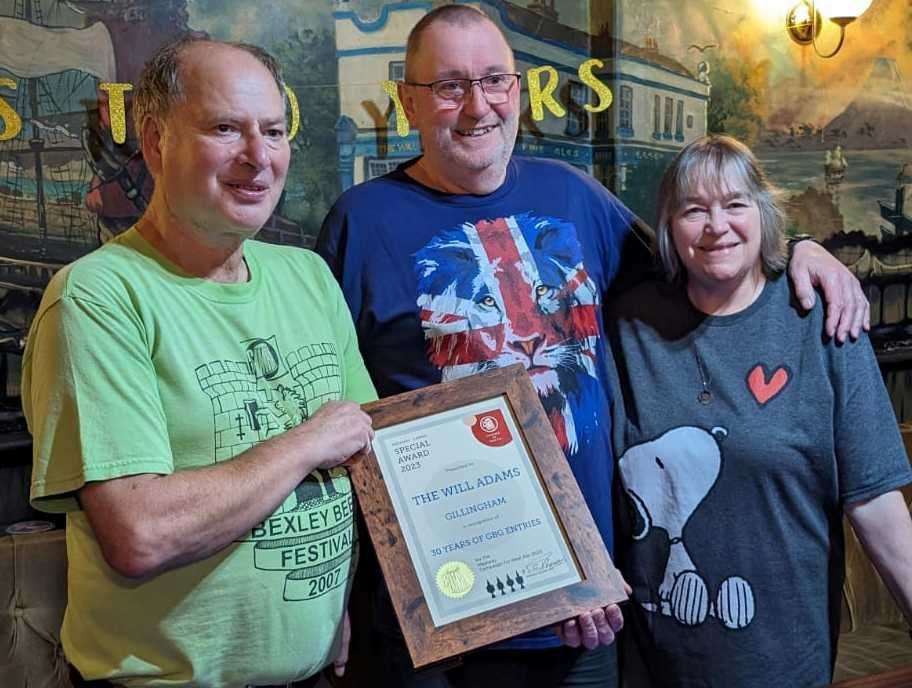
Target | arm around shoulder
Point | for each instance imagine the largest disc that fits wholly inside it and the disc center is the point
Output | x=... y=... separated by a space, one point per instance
x=847 y=308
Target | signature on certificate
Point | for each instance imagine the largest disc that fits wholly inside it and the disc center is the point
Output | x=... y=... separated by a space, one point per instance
x=542 y=563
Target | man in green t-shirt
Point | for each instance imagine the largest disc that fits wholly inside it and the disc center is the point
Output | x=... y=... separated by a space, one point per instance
x=192 y=395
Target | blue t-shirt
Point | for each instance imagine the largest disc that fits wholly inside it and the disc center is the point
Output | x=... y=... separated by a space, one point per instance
x=442 y=286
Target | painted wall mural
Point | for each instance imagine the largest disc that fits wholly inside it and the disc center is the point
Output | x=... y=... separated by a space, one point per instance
x=68 y=182
x=834 y=134
x=799 y=111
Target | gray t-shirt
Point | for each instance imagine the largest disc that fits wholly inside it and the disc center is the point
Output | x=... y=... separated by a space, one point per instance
x=730 y=526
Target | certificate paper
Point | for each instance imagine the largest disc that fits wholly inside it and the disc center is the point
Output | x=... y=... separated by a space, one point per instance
x=474 y=515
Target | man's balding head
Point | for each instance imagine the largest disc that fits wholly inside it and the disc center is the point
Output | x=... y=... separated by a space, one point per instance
x=160 y=84
x=455 y=15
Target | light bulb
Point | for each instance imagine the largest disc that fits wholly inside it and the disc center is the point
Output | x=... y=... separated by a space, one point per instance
x=802 y=14
x=842 y=9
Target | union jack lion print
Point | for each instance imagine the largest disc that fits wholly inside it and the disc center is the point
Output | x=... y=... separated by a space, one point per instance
x=514 y=290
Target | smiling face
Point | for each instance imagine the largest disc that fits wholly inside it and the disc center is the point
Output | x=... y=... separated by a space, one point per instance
x=716 y=234
x=221 y=157
x=472 y=136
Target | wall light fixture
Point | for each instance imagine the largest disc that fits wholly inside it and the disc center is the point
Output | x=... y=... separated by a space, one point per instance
x=804 y=21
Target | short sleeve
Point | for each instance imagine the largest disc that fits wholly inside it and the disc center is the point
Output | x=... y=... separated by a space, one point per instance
x=871 y=458
x=91 y=400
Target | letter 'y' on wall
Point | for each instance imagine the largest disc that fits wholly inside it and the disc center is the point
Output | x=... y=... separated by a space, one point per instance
x=541 y=98
x=12 y=124
x=402 y=125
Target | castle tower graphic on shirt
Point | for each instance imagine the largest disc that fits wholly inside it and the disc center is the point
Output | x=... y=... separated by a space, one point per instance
x=310 y=536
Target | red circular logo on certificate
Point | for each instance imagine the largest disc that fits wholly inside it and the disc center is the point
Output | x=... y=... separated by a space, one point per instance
x=490 y=429
x=489 y=423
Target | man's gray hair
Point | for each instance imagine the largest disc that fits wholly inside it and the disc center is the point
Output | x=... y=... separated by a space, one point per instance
x=721 y=165
x=458 y=15
x=160 y=87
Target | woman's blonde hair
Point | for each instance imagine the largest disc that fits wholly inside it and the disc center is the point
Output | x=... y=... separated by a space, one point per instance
x=721 y=165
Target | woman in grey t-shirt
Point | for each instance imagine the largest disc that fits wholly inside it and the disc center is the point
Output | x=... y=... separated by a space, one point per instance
x=744 y=434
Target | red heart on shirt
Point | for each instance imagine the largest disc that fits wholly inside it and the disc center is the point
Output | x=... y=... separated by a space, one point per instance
x=762 y=389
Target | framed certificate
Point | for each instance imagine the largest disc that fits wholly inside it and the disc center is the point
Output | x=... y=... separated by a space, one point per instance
x=477 y=521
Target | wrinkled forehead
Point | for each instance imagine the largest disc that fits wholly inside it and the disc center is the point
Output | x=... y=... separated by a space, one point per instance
x=199 y=65
x=707 y=176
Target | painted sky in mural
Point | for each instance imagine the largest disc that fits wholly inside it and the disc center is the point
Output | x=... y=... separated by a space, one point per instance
x=800 y=86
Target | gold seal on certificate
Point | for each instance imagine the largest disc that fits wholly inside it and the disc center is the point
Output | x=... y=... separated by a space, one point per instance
x=478 y=524
x=455 y=579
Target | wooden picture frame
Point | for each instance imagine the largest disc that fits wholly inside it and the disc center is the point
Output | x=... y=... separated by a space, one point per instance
x=599 y=583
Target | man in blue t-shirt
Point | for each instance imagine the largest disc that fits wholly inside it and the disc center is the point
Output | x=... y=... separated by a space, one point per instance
x=467 y=259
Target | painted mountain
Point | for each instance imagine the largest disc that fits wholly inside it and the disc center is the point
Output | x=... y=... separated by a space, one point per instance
x=879 y=116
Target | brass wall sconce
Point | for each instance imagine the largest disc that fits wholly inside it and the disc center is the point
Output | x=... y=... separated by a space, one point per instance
x=804 y=21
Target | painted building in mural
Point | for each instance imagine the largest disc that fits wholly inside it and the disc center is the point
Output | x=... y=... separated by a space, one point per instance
x=659 y=107
x=658 y=104
x=369 y=52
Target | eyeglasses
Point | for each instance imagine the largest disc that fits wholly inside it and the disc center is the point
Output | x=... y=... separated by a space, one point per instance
x=496 y=87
